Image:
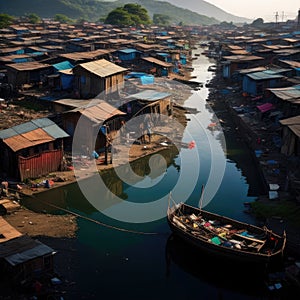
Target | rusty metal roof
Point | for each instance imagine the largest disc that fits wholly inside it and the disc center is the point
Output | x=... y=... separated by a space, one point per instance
x=293 y=123
x=157 y=62
x=28 y=66
x=29 y=139
x=31 y=133
x=99 y=113
x=85 y=55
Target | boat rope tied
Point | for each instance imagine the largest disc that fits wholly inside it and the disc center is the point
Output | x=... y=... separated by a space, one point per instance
x=90 y=219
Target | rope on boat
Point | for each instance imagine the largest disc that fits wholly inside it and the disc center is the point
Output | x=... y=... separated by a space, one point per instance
x=87 y=218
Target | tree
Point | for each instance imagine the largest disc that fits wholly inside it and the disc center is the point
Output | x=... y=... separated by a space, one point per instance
x=6 y=20
x=129 y=14
x=33 y=18
x=119 y=17
x=136 y=10
x=62 y=18
x=258 y=22
x=160 y=19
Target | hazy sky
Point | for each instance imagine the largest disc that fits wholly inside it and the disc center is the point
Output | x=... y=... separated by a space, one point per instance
x=266 y=9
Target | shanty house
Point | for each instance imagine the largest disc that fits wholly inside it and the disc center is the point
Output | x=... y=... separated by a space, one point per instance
x=291 y=136
x=87 y=123
x=31 y=149
x=21 y=257
x=127 y=54
x=149 y=101
x=19 y=74
x=233 y=63
x=95 y=77
x=62 y=77
x=288 y=100
x=256 y=83
x=157 y=67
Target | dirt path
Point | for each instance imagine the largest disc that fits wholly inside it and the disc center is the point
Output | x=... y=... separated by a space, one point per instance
x=36 y=224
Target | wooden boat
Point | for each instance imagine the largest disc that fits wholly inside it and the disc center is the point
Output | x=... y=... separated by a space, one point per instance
x=225 y=237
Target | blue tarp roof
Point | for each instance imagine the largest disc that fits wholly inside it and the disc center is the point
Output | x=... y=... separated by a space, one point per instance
x=46 y=124
x=147 y=79
x=135 y=74
x=163 y=54
x=64 y=65
x=149 y=95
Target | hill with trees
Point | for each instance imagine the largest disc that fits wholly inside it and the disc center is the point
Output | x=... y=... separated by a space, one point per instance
x=94 y=10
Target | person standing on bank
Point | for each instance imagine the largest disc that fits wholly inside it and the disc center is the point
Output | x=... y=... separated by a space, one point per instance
x=148 y=126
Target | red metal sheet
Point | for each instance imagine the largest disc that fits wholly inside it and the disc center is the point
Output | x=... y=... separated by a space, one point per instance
x=40 y=164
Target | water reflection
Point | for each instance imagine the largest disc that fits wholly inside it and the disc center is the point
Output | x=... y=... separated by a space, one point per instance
x=223 y=274
x=70 y=197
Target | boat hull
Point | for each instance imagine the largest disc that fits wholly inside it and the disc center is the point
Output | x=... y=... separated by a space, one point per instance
x=204 y=245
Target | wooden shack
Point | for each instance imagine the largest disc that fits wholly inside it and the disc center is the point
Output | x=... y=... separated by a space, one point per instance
x=29 y=73
x=92 y=118
x=31 y=149
x=22 y=258
x=95 y=77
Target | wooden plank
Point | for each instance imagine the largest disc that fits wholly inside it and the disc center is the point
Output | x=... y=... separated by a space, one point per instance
x=249 y=238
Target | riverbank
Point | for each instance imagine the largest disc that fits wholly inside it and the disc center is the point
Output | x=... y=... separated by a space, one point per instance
x=282 y=212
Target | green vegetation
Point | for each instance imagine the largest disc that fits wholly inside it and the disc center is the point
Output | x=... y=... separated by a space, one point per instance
x=160 y=19
x=63 y=19
x=288 y=210
x=5 y=20
x=33 y=18
x=129 y=14
x=94 y=10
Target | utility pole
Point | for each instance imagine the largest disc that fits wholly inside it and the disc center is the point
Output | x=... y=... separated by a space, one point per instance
x=276 y=17
x=282 y=17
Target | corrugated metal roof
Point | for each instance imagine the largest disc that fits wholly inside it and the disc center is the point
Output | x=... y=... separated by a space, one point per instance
x=6 y=133
x=239 y=52
x=263 y=75
x=31 y=133
x=149 y=95
x=27 y=66
x=100 y=112
x=23 y=249
x=55 y=131
x=29 y=139
x=293 y=124
x=252 y=70
x=67 y=72
x=73 y=103
x=288 y=93
x=42 y=122
x=292 y=63
x=157 y=62
x=85 y=55
x=25 y=127
x=102 y=67
x=128 y=50
x=242 y=57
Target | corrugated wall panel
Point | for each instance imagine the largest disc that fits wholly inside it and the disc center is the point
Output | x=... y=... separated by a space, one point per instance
x=40 y=164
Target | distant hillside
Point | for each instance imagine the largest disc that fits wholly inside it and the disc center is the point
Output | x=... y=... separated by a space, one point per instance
x=93 y=10
x=210 y=10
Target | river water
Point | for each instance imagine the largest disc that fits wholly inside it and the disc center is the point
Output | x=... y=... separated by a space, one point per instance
x=114 y=264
